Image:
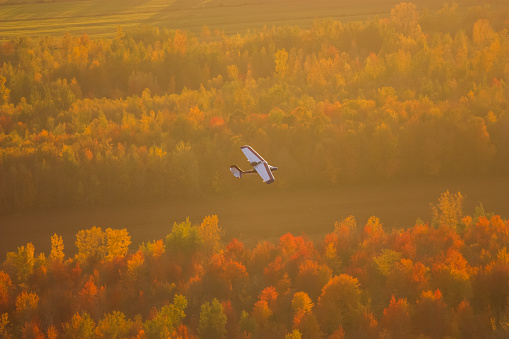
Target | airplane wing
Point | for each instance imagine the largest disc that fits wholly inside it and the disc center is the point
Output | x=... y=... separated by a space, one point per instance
x=264 y=171
x=251 y=155
x=258 y=163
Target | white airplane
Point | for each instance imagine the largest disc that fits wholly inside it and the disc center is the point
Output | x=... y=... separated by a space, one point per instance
x=260 y=166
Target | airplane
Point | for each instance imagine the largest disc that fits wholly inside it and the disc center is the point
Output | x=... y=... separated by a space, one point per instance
x=260 y=166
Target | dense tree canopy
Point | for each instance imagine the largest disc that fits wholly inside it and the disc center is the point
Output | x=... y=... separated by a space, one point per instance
x=441 y=280
x=157 y=113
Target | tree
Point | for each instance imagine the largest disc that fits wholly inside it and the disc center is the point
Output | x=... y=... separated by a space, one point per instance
x=294 y=335
x=408 y=279
x=57 y=248
x=482 y=32
x=167 y=319
x=448 y=211
x=339 y=304
x=114 y=325
x=471 y=325
x=5 y=290
x=405 y=19
x=26 y=305
x=431 y=316
x=347 y=235
x=91 y=245
x=396 y=319
x=184 y=238
x=90 y=296
x=22 y=262
x=312 y=277
x=281 y=58
x=212 y=320
x=117 y=243
x=4 y=325
x=80 y=327
x=386 y=262
x=4 y=92
x=210 y=233
x=301 y=303
x=303 y=318
x=262 y=314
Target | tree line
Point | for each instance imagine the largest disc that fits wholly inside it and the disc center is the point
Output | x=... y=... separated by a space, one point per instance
x=447 y=278
x=157 y=113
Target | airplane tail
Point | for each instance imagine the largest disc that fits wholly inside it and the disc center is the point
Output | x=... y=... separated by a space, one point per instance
x=237 y=172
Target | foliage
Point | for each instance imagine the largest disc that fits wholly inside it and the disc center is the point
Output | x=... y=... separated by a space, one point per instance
x=420 y=281
x=212 y=320
x=156 y=113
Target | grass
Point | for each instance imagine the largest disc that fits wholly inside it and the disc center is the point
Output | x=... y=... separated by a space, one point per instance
x=99 y=18
x=251 y=217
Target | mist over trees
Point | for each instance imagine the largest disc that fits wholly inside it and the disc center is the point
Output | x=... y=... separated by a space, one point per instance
x=160 y=114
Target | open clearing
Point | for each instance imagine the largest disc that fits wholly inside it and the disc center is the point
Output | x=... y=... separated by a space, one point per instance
x=262 y=216
x=98 y=18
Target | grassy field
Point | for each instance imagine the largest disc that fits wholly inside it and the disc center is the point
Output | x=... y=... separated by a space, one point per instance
x=99 y=18
x=262 y=216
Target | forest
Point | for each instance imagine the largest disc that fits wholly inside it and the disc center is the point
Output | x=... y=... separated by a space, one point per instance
x=444 y=279
x=160 y=114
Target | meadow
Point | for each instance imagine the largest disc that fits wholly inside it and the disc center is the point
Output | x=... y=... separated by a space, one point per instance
x=98 y=18
x=253 y=216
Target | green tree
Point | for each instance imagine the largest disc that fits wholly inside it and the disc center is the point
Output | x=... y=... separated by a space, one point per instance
x=81 y=326
x=167 y=319
x=339 y=304
x=114 y=325
x=184 y=238
x=212 y=320
x=22 y=262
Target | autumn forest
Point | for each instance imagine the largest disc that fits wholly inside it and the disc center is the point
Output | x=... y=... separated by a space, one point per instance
x=157 y=114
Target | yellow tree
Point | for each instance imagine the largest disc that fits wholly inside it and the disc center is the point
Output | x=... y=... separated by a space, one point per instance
x=91 y=245
x=57 y=248
x=117 y=243
x=210 y=233
x=26 y=305
x=4 y=92
x=482 y=31
x=281 y=58
x=405 y=19
x=4 y=323
x=448 y=211
x=301 y=305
